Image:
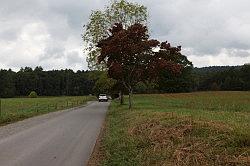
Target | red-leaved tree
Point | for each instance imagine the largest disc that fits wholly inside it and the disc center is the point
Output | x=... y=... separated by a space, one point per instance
x=131 y=56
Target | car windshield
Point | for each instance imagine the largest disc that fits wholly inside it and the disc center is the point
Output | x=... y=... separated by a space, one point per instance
x=102 y=95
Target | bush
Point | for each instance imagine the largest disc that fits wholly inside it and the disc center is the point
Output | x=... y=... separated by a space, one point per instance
x=33 y=94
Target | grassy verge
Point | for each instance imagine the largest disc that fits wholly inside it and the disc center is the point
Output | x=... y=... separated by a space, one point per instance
x=15 y=109
x=209 y=128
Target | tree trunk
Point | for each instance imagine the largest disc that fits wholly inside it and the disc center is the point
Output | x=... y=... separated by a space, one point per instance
x=130 y=98
x=121 y=97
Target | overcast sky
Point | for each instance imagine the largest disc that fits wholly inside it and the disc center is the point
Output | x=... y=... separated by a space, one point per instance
x=47 y=33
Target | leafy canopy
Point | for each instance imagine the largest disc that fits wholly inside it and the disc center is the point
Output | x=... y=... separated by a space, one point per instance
x=131 y=57
x=119 y=11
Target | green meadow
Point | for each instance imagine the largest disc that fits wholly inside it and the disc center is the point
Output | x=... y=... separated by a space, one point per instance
x=203 y=128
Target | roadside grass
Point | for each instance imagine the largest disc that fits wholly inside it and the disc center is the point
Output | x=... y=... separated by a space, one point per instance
x=14 y=109
x=206 y=128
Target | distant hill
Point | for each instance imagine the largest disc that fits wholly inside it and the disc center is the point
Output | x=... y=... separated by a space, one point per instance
x=225 y=78
x=213 y=69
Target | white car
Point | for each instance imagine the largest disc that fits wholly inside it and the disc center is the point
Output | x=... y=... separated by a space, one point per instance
x=103 y=97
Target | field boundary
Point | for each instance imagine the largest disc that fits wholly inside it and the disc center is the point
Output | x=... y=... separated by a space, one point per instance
x=60 y=111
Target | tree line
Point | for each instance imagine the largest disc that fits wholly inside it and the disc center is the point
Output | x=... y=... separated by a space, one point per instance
x=226 y=78
x=45 y=83
x=213 y=78
x=69 y=83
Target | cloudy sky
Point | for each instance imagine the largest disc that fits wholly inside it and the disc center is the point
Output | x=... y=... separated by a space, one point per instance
x=47 y=33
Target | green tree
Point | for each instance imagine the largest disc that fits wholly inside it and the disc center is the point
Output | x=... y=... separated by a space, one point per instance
x=183 y=82
x=215 y=87
x=7 y=83
x=33 y=94
x=119 y=11
x=245 y=75
x=104 y=84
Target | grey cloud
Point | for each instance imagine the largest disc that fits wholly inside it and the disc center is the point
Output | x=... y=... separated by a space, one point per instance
x=52 y=51
x=8 y=35
x=204 y=27
x=238 y=53
x=63 y=21
x=73 y=57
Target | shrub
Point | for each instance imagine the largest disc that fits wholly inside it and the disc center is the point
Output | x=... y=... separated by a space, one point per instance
x=33 y=94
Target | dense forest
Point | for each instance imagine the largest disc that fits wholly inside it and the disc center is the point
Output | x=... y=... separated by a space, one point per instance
x=69 y=83
x=45 y=83
x=236 y=78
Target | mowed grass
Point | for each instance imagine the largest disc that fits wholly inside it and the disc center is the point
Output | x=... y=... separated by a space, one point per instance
x=205 y=128
x=14 y=109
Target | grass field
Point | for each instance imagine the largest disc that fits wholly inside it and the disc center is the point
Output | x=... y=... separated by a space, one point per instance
x=14 y=109
x=206 y=128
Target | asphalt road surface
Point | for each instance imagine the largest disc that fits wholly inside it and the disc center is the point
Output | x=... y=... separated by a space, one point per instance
x=64 y=138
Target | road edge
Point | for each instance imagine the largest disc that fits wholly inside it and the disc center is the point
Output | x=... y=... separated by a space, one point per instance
x=11 y=128
x=97 y=155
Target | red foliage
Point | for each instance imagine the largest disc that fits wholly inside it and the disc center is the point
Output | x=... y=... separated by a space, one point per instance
x=130 y=57
x=115 y=71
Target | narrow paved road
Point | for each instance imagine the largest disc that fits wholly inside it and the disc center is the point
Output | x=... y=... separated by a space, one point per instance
x=58 y=139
